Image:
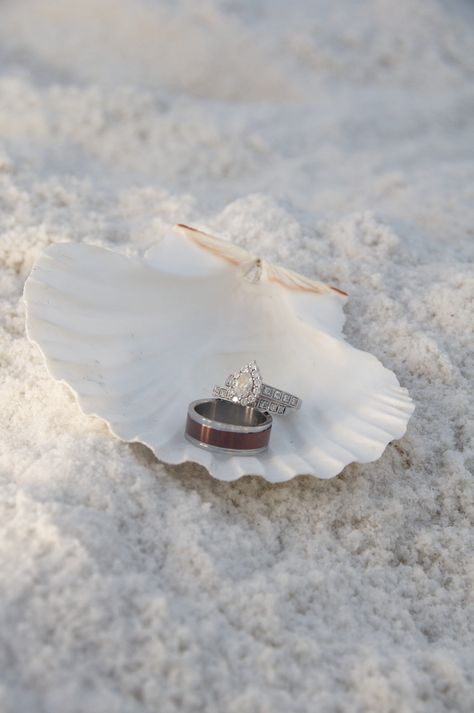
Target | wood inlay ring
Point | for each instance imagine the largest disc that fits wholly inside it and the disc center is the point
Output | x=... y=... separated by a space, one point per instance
x=227 y=427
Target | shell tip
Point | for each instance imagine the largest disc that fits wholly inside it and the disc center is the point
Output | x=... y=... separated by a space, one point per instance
x=252 y=270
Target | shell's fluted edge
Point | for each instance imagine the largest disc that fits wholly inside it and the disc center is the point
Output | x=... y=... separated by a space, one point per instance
x=283 y=467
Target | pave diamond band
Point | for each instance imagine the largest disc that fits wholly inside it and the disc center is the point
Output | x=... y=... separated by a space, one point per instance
x=271 y=400
x=247 y=388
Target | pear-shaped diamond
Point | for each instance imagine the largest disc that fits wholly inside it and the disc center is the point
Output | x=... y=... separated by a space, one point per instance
x=243 y=384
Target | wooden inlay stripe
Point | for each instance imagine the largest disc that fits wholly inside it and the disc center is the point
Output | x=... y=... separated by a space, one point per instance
x=227 y=439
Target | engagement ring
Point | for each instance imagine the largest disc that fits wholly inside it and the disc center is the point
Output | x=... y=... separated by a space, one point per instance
x=246 y=387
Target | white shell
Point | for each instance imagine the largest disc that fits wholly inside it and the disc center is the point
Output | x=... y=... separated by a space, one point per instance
x=137 y=340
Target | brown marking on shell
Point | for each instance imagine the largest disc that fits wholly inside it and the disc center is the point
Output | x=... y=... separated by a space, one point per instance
x=298 y=283
x=341 y=292
x=210 y=248
x=297 y=288
x=188 y=227
x=214 y=247
x=307 y=286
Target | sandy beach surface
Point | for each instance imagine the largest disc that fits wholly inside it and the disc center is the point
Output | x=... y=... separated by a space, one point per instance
x=335 y=138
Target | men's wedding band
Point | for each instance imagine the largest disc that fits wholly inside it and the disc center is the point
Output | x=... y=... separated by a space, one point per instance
x=227 y=427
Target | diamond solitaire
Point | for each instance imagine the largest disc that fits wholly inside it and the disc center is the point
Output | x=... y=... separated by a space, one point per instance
x=246 y=387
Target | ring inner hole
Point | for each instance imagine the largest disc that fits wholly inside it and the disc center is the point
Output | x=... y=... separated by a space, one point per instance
x=228 y=412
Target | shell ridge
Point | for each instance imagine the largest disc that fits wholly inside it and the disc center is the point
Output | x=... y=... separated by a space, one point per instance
x=294 y=281
x=221 y=248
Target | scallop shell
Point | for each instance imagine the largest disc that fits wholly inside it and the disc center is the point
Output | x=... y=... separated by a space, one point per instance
x=138 y=339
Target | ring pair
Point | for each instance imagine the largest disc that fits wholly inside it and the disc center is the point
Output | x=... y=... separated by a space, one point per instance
x=239 y=420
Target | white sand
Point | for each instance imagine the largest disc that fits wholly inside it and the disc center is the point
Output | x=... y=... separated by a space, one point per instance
x=335 y=138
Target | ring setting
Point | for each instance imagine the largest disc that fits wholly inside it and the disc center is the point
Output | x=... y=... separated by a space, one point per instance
x=246 y=387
